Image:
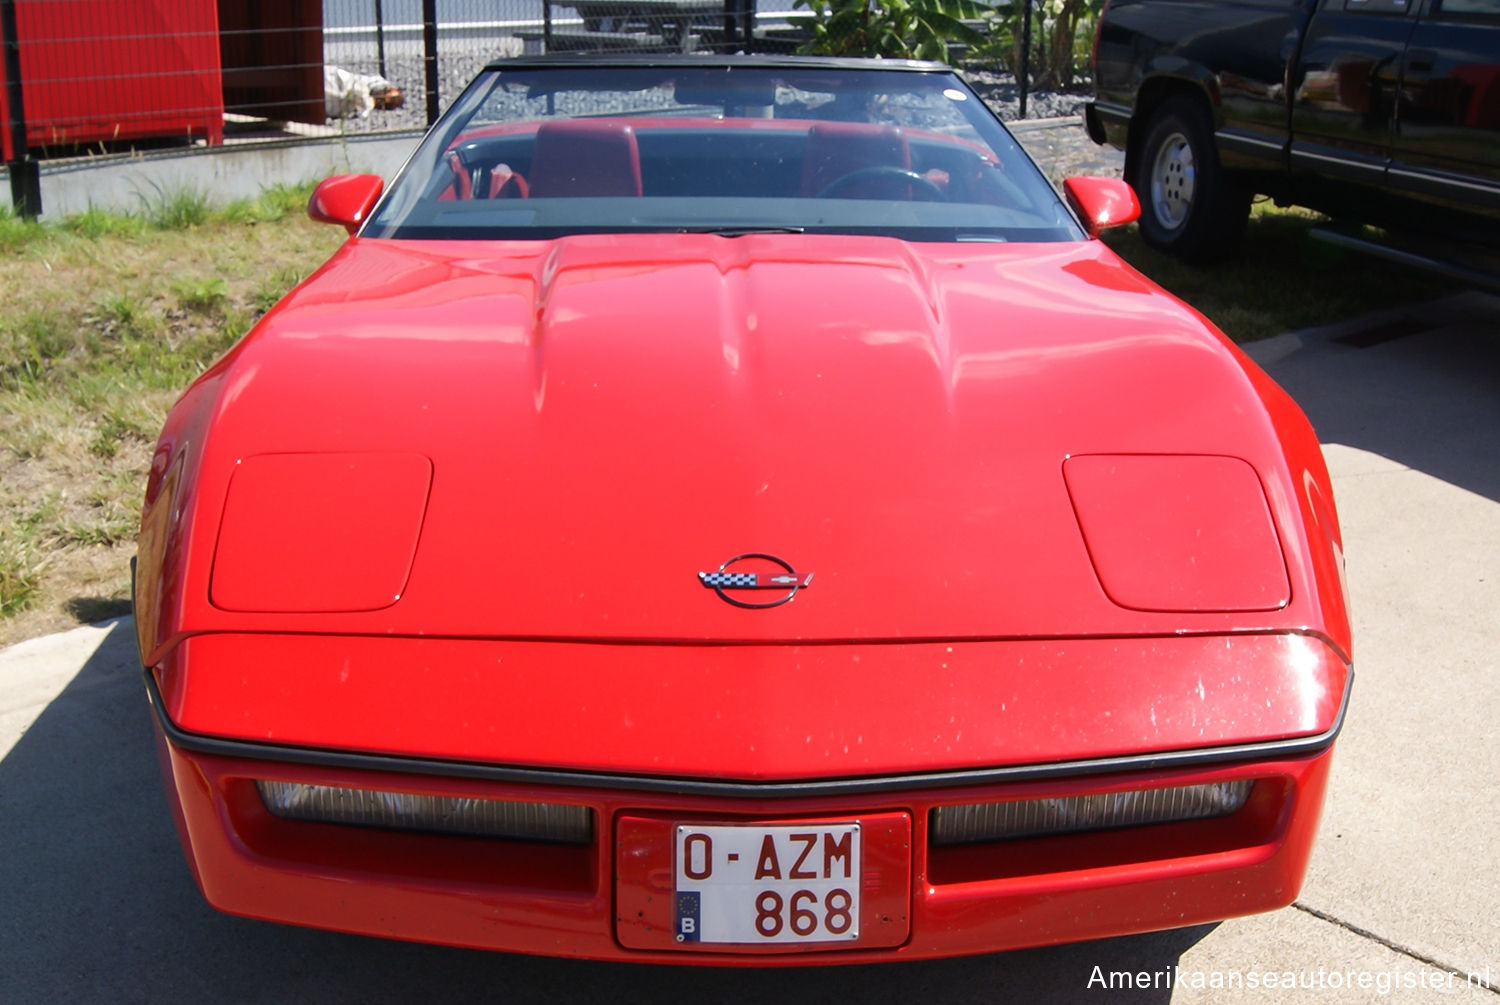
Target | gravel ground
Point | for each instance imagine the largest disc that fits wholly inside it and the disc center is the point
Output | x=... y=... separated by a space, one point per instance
x=457 y=68
x=1000 y=92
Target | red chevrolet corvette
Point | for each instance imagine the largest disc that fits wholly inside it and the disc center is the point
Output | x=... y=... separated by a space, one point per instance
x=733 y=510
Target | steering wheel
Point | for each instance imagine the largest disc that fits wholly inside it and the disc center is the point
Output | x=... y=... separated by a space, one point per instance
x=921 y=189
x=484 y=181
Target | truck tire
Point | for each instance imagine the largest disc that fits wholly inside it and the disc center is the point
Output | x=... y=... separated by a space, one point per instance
x=1188 y=208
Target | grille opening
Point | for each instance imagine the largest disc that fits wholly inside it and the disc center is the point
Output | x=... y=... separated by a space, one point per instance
x=558 y=823
x=1021 y=818
x=1256 y=824
x=415 y=858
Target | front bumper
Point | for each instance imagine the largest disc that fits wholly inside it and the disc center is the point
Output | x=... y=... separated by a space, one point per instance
x=605 y=899
x=564 y=900
x=1107 y=123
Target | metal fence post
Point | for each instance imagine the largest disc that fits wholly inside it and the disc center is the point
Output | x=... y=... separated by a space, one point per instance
x=430 y=56
x=25 y=173
x=738 y=25
x=380 y=35
x=1025 y=74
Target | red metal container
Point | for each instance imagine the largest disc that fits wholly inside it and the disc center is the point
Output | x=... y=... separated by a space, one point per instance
x=97 y=70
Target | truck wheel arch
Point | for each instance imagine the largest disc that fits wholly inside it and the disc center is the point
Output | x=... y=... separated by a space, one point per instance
x=1153 y=91
x=1189 y=207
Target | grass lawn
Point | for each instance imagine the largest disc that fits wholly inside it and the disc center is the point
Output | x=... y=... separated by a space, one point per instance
x=1282 y=280
x=105 y=318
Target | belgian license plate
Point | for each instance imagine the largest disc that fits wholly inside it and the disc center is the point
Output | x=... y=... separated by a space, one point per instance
x=795 y=883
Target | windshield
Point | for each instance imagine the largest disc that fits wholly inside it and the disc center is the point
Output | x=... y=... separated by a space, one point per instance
x=546 y=151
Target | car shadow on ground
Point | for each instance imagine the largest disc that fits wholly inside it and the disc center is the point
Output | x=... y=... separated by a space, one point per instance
x=1419 y=386
x=99 y=904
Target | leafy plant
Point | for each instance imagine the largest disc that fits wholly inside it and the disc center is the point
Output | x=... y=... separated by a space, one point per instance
x=1062 y=40
x=898 y=29
x=204 y=296
x=129 y=313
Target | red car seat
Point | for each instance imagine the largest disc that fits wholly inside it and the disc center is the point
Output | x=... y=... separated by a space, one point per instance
x=835 y=149
x=585 y=157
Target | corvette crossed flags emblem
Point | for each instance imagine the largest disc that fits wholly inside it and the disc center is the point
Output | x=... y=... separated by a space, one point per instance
x=754 y=581
x=724 y=578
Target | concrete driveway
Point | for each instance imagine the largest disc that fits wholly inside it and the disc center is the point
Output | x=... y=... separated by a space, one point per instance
x=1399 y=905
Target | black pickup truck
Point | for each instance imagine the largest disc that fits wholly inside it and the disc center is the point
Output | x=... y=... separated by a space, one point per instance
x=1381 y=112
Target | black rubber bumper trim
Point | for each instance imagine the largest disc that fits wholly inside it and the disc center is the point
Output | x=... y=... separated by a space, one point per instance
x=1300 y=746
x=1093 y=125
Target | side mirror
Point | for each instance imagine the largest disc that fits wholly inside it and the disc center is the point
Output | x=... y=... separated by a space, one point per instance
x=345 y=199
x=1102 y=202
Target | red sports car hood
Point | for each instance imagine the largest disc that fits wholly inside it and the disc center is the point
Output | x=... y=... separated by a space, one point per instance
x=608 y=416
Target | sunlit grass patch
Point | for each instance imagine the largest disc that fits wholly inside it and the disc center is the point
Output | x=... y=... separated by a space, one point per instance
x=274 y=287
x=176 y=208
x=131 y=314
x=202 y=295
x=111 y=527
x=31 y=347
x=121 y=419
x=41 y=427
x=21 y=567
x=106 y=319
x=16 y=233
x=287 y=200
x=94 y=223
x=273 y=203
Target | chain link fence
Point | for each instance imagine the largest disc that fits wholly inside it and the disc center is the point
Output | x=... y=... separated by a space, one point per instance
x=100 y=76
x=101 y=72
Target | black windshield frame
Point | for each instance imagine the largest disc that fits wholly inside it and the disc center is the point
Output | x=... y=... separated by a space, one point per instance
x=965 y=177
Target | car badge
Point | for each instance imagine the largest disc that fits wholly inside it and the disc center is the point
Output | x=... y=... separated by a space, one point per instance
x=725 y=578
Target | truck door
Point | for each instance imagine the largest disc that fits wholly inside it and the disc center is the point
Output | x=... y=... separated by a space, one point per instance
x=1344 y=91
x=1446 y=148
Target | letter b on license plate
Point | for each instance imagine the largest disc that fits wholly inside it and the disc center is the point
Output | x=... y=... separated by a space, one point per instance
x=751 y=884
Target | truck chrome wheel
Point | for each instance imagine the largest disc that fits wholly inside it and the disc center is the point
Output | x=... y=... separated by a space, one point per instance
x=1173 y=177
x=1189 y=207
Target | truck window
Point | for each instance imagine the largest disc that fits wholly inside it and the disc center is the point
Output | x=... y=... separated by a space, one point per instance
x=1483 y=8
x=1376 y=6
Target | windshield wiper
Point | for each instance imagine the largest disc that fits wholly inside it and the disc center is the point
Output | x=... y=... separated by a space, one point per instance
x=740 y=231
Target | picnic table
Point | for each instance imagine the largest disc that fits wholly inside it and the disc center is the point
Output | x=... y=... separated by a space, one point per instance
x=651 y=25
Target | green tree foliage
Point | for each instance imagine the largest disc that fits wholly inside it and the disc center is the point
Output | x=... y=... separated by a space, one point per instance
x=1062 y=38
x=897 y=29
